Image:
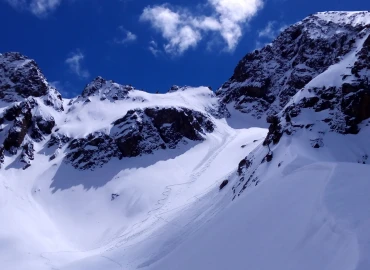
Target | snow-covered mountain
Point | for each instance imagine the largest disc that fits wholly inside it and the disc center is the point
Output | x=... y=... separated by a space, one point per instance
x=118 y=178
x=265 y=80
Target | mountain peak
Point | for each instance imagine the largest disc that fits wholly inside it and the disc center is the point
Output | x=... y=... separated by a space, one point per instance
x=20 y=77
x=106 y=89
x=265 y=80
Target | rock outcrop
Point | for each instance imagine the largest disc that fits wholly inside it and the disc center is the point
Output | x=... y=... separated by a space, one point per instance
x=20 y=78
x=24 y=120
x=138 y=133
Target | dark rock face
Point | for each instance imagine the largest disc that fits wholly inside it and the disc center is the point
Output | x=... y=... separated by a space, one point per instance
x=143 y=131
x=264 y=80
x=244 y=164
x=135 y=134
x=27 y=154
x=139 y=132
x=344 y=112
x=275 y=131
x=22 y=122
x=246 y=172
x=20 y=75
x=269 y=157
x=20 y=78
x=93 y=151
x=2 y=155
x=224 y=184
x=174 y=124
x=346 y=107
x=25 y=121
x=58 y=139
x=114 y=196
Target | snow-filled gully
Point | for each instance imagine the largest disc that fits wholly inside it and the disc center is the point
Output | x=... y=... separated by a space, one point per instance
x=200 y=188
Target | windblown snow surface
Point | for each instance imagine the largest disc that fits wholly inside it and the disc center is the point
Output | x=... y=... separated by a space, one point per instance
x=170 y=213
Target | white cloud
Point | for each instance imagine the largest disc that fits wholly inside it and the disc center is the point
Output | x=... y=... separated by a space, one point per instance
x=74 y=63
x=232 y=15
x=268 y=31
x=271 y=31
x=127 y=36
x=183 y=30
x=153 y=48
x=40 y=8
x=175 y=28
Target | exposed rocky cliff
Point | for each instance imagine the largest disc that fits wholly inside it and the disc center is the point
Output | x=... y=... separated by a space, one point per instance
x=139 y=132
x=322 y=111
x=265 y=80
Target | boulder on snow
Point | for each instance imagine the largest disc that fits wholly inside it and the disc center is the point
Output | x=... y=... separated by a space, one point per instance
x=269 y=156
x=114 y=196
x=243 y=164
x=223 y=184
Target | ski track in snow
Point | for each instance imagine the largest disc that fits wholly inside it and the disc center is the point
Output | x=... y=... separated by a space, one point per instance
x=197 y=172
x=156 y=216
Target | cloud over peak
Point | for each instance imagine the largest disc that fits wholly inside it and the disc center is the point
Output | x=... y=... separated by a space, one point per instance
x=75 y=65
x=182 y=30
x=175 y=27
x=271 y=30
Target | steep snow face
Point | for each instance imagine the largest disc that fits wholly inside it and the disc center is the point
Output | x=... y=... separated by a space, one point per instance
x=266 y=79
x=310 y=217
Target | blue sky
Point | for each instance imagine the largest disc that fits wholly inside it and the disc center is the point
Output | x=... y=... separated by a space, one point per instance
x=150 y=44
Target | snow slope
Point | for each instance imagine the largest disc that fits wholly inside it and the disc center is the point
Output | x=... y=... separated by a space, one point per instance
x=58 y=216
x=306 y=213
x=309 y=218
